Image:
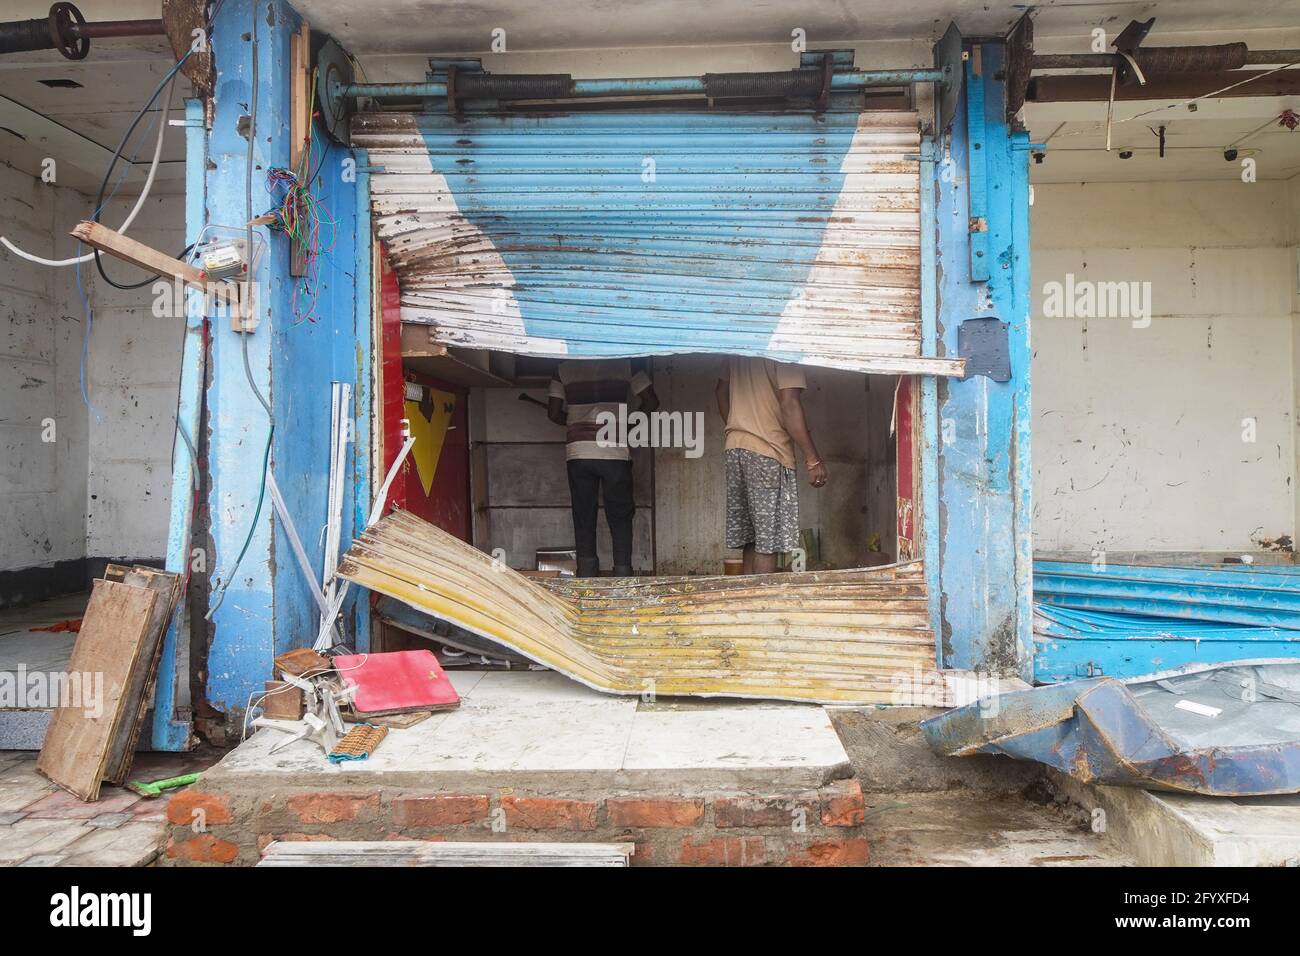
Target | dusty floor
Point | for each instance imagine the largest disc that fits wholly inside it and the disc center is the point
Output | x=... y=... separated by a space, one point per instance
x=41 y=825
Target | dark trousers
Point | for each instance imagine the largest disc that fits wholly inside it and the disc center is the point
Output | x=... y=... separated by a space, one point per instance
x=589 y=478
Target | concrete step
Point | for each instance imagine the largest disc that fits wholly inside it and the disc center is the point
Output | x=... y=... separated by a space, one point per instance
x=1171 y=829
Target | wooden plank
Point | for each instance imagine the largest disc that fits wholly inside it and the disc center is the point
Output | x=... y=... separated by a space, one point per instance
x=418 y=341
x=122 y=247
x=426 y=853
x=136 y=697
x=300 y=110
x=77 y=743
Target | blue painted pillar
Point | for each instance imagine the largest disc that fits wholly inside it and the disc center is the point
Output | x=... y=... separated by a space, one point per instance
x=292 y=358
x=984 y=426
x=242 y=642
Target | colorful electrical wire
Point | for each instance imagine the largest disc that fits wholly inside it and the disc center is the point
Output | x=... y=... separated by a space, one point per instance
x=305 y=219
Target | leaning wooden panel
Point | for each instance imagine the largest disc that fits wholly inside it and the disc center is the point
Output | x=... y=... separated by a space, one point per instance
x=136 y=694
x=853 y=636
x=91 y=704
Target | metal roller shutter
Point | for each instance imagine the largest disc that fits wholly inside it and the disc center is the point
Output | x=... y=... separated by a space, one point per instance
x=790 y=235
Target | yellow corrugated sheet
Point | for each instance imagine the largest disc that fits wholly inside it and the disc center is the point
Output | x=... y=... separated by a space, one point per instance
x=823 y=636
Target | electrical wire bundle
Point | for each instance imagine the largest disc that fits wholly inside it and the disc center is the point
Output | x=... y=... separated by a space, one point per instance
x=301 y=216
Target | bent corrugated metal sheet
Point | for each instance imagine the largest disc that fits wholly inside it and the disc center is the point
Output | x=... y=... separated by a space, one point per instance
x=791 y=235
x=1070 y=644
x=1221 y=594
x=853 y=636
x=1133 y=733
x=1130 y=620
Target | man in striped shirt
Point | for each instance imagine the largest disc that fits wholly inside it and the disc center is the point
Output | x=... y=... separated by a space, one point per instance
x=580 y=392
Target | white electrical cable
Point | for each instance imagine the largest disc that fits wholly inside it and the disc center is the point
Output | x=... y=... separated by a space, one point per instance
x=323 y=641
x=139 y=203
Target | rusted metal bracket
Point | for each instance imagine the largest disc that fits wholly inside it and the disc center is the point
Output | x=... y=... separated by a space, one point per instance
x=1126 y=46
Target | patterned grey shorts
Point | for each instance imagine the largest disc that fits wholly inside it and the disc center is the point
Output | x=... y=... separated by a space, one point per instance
x=762 y=503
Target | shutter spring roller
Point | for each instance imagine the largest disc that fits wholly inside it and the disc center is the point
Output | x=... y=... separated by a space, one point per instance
x=1170 y=59
x=66 y=30
x=469 y=85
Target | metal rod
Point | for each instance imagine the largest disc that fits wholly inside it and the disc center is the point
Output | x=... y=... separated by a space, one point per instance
x=659 y=85
x=119 y=28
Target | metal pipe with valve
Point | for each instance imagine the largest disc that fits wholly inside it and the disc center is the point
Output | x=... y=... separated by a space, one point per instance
x=66 y=30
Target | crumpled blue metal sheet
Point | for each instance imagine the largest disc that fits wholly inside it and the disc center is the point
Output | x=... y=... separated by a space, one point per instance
x=1152 y=732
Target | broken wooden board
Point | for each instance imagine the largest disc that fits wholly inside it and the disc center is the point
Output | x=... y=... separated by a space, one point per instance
x=137 y=694
x=857 y=637
x=82 y=730
x=428 y=853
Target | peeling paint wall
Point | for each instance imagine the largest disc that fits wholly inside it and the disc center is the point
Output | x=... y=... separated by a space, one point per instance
x=42 y=483
x=1141 y=432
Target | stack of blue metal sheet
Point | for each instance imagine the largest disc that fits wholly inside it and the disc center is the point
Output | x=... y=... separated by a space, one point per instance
x=1127 y=620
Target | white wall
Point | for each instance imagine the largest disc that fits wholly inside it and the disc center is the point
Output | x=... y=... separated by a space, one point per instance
x=42 y=484
x=103 y=488
x=134 y=377
x=1293 y=235
x=1138 y=432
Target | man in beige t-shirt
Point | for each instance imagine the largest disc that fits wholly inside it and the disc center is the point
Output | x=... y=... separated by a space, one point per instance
x=762 y=405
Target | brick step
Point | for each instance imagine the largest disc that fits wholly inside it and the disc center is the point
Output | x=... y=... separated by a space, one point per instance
x=803 y=827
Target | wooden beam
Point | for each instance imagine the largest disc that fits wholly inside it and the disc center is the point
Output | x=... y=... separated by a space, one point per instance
x=110 y=241
x=418 y=342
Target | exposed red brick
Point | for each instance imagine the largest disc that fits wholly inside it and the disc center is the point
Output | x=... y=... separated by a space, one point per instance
x=439 y=810
x=723 y=851
x=543 y=813
x=331 y=807
x=671 y=812
x=764 y=811
x=851 y=852
x=843 y=805
x=643 y=854
x=202 y=849
x=190 y=806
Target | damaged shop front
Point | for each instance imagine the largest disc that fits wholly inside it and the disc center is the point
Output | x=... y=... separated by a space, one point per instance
x=868 y=225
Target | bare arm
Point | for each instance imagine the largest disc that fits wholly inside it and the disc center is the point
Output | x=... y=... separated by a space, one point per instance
x=649 y=400
x=555 y=410
x=723 y=392
x=796 y=426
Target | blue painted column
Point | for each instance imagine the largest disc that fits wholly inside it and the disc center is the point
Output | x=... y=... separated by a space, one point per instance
x=242 y=643
x=984 y=475
x=292 y=360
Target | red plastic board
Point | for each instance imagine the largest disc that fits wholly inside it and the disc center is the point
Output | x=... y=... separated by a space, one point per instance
x=396 y=682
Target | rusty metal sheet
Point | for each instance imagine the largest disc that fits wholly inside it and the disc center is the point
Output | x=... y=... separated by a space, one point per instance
x=790 y=235
x=1217 y=729
x=854 y=636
